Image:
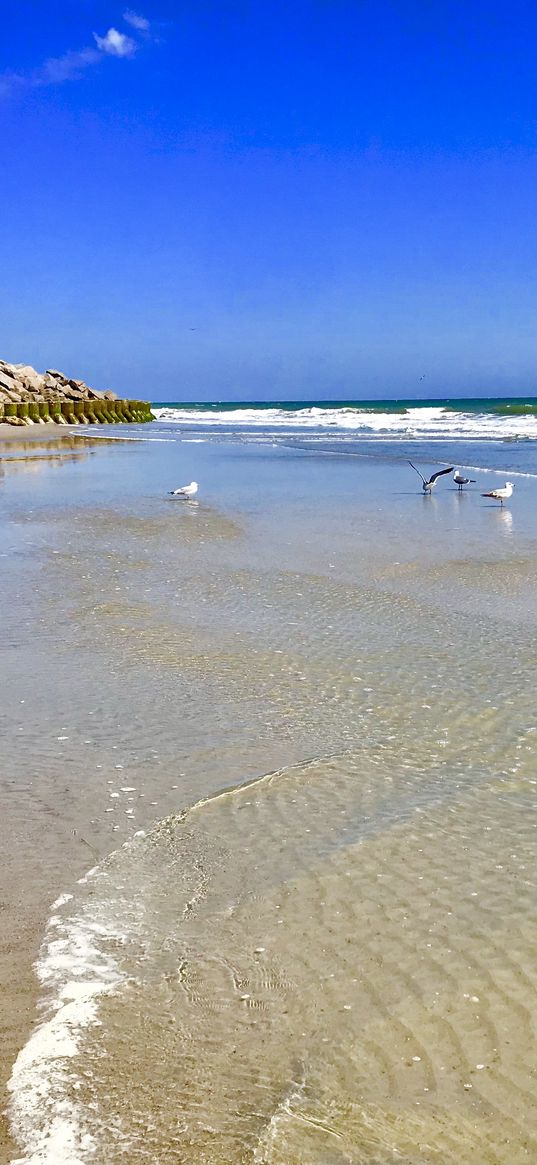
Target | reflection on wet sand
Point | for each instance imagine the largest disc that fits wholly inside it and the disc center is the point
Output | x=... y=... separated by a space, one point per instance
x=504 y=519
x=36 y=462
x=20 y=454
x=65 y=441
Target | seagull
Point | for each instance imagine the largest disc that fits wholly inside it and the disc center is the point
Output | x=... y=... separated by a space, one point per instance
x=460 y=480
x=185 y=491
x=428 y=485
x=500 y=495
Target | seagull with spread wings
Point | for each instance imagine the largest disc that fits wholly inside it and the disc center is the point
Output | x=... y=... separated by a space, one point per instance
x=431 y=481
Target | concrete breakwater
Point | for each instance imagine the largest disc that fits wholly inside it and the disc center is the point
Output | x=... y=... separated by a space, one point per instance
x=29 y=397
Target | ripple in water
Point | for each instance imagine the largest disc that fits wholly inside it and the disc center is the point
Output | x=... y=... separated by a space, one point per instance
x=336 y=963
x=333 y=964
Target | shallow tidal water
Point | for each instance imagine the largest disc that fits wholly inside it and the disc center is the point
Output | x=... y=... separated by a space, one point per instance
x=273 y=754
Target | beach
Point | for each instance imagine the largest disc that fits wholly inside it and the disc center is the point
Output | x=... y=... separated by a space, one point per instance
x=268 y=796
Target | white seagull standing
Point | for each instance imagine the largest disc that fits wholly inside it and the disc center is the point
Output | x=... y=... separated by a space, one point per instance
x=460 y=480
x=185 y=491
x=428 y=485
x=500 y=495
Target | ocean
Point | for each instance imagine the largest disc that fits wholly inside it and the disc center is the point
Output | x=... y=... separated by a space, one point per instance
x=451 y=427
x=269 y=779
x=435 y=419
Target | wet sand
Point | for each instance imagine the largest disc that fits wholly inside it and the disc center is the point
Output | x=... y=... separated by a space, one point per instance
x=34 y=433
x=157 y=654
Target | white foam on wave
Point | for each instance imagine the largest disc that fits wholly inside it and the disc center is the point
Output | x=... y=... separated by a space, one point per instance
x=76 y=968
x=497 y=472
x=426 y=422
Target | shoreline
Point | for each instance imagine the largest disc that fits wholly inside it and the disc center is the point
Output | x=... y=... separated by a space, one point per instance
x=11 y=433
x=36 y=433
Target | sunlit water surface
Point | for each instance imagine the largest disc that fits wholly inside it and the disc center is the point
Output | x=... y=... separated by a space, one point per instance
x=291 y=728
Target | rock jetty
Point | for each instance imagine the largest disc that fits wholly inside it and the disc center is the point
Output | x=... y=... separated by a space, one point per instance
x=28 y=397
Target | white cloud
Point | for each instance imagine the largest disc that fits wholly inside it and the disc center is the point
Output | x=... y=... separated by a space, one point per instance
x=72 y=64
x=136 y=21
x=115 y=43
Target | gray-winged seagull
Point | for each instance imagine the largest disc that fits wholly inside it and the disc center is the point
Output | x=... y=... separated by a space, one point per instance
x=460 y=480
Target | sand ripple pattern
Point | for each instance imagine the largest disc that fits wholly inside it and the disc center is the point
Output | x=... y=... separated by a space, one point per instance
x=337 y=963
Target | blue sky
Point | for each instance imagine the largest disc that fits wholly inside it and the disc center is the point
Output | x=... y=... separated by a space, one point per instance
x=233 y=200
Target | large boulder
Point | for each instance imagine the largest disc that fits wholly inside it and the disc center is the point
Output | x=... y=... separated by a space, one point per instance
x=74 y=394
x=28 y=377
x=6 y=381
x=12 y=395
x=56 y=375
x=50 y=384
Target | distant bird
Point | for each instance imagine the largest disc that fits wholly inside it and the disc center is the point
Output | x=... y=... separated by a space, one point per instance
x=428 y=485
x=460 y=480
x=500 y=495
x=185 y=491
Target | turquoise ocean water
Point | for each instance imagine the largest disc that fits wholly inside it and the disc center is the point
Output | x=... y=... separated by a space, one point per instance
x=504 y=406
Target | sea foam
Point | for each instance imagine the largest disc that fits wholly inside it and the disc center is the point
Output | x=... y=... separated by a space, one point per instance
x=412 y=423
x=76 y=969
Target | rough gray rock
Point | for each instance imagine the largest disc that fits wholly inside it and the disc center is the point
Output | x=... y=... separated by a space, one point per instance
x=21 y=382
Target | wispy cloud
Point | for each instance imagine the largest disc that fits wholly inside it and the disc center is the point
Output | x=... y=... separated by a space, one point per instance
x=58 y=69
x=53 y=71
x=74 y=63
x=140 y=23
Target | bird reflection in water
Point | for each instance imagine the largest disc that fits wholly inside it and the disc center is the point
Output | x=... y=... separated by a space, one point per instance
x=504 y=518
